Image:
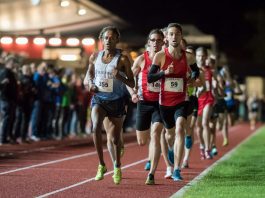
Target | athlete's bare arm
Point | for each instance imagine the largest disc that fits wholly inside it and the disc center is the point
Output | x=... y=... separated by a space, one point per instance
x=124 y=66
x=158 y=62
x=138 y=65
x=201 y=84
x=191 y=59
x=136 y=69
x=159 y=59
x=90 y=75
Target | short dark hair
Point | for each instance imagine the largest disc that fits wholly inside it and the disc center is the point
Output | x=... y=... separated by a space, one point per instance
x=176 y=25
x=184 y=41
x=156 y=31
x=189 y=47
x=111 y=28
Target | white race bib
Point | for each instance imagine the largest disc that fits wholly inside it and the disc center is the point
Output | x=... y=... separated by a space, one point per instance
x=154 y=87
x=174 y=84
x=104 y=85
x=207 y=85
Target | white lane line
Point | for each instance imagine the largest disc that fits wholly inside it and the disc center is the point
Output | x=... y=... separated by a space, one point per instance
x=182 y=191
x=41 y=149
x=89 y=180
x=58 y=161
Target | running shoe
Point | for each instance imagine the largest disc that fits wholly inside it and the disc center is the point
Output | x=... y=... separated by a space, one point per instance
x=117 y=175
x=225 y=142
x=168 y=174
x=101 y=171
x=185 y=164
x=208 y=154
x=176 y=175
x=150 y=179
x=147 y=165
x=214 y=151
x=170 y=156
x=188 y=142
x=202 y=153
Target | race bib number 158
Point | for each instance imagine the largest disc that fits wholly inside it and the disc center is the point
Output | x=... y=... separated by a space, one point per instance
x=104 y=85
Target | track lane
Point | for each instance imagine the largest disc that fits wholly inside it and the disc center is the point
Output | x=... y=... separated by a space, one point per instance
x=53 y=177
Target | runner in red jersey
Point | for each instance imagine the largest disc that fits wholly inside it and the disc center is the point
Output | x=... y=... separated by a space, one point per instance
x=174 y=71
x=146 y=95
x=206 y=102
x=169 y=159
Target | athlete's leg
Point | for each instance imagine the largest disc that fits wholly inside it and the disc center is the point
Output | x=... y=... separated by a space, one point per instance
x=200 y=137
x=97 y=116
x=109 y=126
x=224 y=128
x=190 y=124
x=164 y=149
x=114 y=136
x=179 y=141
x=206 y=128
x=155 y=150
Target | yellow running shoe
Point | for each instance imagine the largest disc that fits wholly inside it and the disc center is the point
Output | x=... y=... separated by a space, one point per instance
x=100 y=173
x=117 y=175
x=225 y=142
x=150 y=180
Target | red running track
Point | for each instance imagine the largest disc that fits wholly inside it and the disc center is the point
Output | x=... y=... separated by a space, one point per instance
x=67 y=168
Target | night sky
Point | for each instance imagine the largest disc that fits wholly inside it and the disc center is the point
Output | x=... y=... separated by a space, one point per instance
x=239 y=26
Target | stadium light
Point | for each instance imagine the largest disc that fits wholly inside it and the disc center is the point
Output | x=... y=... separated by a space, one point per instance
x=88 y=41
x=6 y=40
x=72 y=41
x=39 y=41
x=22 y=40
x=55 y=41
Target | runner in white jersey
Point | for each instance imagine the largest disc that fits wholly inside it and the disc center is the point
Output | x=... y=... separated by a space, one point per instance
x=108 y=71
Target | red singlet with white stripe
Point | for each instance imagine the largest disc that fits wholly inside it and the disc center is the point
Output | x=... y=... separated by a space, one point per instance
x=206 y=97
x=174 y=86
x=147 y=91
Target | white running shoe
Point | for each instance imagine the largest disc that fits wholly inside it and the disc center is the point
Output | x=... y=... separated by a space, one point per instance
x=168 y=173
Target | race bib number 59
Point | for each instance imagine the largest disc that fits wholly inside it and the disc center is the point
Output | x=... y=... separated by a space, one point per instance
x=174 y=84
x=104 y=85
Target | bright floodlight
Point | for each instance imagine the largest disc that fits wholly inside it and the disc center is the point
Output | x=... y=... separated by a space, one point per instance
x=72 y=42
x=55 y=41
x=21 y=40
x=64 y=3
x=88 y=41
x=6 y=40
x=39 y=41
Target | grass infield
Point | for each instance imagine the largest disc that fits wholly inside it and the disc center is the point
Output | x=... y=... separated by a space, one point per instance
x=242 y=175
